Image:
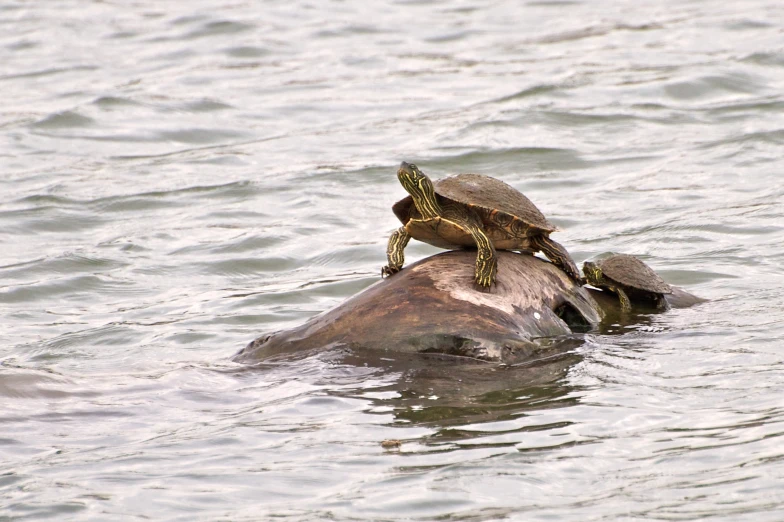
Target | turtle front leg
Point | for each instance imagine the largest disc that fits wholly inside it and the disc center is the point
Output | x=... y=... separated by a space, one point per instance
x=556 y=253
x=626 y=304
x=397 y=244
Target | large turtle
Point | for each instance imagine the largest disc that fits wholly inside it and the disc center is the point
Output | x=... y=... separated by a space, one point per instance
x=471 y=210
x=629 y=278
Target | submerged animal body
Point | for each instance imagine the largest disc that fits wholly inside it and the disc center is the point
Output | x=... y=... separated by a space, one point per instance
x=430 y=308
x=471 y=210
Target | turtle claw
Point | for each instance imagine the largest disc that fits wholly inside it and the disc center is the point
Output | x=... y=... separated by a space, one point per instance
x=571 y=270
x=387 y=271
x=574 y=273
x=484 y=288
x=480 y=288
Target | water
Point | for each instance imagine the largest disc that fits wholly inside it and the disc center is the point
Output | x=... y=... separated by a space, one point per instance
x=179 y=178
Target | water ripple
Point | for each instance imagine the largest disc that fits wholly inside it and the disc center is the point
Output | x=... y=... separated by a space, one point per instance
x=181 y=178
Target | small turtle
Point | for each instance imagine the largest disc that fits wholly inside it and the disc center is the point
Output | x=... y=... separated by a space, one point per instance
x=629 y=278
x=471 y=210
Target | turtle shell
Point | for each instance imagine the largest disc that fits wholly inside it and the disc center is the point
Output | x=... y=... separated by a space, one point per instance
x=484 y=194
x=630 y=271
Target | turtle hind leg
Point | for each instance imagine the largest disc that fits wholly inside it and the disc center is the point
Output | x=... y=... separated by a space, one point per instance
x=486 y=265
x=556 y=253
x=661 y=302
x=395 y=257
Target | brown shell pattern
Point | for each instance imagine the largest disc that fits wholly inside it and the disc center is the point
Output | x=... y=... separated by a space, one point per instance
x=630 y=271
x=485 y=195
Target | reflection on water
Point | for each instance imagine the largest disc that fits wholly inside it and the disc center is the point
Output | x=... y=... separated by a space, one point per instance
x=440 y=391
x=180 y=178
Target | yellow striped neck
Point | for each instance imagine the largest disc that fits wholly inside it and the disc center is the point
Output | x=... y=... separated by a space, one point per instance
x=421 y=189
x=427 y=205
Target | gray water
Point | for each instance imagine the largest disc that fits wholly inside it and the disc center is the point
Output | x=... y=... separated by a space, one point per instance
x=179 y=178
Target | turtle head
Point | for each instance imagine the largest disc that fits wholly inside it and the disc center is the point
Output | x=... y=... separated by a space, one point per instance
x=593 y=274
x=421 y=189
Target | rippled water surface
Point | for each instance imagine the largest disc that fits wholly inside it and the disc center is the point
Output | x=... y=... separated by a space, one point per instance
x=180 y=177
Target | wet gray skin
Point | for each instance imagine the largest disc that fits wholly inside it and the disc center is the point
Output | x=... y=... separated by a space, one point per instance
x=433 y=307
